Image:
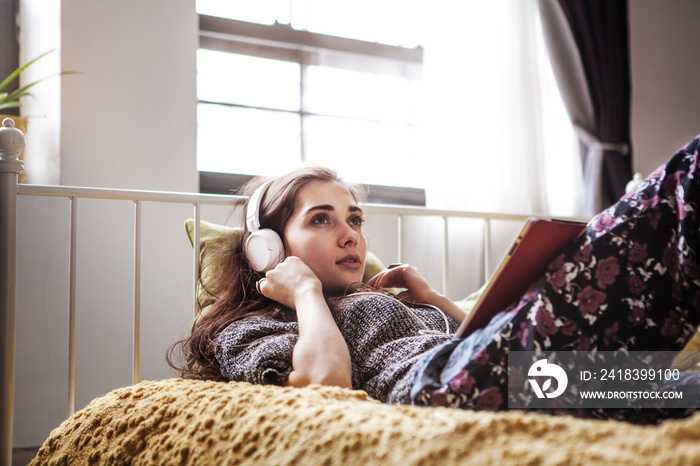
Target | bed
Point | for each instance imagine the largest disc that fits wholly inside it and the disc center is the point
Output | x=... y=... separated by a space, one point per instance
x=156 y=418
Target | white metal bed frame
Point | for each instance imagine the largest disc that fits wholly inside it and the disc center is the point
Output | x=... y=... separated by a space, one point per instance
x=11 y=145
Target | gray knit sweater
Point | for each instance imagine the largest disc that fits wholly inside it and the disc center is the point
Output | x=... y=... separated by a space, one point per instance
x=383 y=339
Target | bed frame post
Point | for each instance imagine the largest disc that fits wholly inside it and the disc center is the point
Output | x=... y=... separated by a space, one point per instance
x=11 y=144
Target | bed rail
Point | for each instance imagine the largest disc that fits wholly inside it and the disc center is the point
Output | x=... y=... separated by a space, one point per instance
x=75 y=194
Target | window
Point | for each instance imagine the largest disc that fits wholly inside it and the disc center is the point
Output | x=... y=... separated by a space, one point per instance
x=278 y=85
x=392 y=94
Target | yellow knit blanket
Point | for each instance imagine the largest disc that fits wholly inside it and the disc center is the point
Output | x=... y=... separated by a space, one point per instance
x=192 y=422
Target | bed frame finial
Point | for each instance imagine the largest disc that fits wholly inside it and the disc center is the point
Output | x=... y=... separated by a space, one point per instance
x=12 y=143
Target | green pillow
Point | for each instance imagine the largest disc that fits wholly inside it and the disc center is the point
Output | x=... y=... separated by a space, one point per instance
x=467 y=304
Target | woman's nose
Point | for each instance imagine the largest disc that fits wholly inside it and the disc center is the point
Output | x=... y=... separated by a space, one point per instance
x=349 y=236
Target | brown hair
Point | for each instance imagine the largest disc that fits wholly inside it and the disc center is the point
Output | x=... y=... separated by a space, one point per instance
x=233 y=280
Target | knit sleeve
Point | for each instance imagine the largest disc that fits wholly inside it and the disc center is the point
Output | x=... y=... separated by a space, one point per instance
x=257 y=350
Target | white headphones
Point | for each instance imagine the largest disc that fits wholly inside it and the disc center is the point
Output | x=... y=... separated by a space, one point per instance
x=263 y=248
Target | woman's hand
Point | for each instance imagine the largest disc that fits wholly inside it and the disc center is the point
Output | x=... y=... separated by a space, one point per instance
x=288 y=280
x=418 y=290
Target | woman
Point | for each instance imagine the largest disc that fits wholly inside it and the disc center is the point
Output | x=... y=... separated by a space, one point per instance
x=630 y=281
x=292 y=325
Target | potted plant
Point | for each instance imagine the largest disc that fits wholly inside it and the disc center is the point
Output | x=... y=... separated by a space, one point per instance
x=11 y=100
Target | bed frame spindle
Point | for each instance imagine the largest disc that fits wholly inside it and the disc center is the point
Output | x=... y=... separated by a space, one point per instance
x=136 y=361
x=72 y=299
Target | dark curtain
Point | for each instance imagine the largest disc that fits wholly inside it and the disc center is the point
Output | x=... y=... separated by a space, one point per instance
x=9 y=46
x=599 y=30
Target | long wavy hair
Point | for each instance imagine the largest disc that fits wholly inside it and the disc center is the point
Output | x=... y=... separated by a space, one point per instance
x=232 y=279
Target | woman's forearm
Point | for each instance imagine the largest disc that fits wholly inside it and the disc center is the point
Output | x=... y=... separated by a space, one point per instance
x=448 y=307
x=320 y=355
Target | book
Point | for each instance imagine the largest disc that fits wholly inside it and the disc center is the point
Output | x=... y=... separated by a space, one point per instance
x=537 y=245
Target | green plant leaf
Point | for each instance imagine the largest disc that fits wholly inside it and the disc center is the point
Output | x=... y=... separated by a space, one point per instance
x=16 y=72
x=12 y=99
x=9 y=105
x=22 y=91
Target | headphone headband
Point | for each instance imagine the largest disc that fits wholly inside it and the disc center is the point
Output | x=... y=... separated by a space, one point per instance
x=252 y=216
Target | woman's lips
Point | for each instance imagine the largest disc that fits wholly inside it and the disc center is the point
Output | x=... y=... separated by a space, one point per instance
x=351 y=261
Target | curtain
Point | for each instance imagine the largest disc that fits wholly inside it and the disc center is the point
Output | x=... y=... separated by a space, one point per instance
x=589 y=50
x=485 y=115
x=9 y=46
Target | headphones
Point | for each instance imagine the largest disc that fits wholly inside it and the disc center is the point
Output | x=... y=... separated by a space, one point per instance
x=263 y=248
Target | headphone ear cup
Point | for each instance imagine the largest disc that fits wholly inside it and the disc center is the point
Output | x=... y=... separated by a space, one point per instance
x=264 y=250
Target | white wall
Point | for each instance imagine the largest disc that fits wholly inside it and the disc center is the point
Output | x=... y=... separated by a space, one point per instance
x=128 y=121
x=664 y=45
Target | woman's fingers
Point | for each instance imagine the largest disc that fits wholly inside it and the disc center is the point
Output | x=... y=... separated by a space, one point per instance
x=281 y=283
x=259 y=285
x=417 y=289
x=384 y=279
x=398 y=276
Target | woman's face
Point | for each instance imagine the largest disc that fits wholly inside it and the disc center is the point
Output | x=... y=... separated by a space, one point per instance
x=325 y=231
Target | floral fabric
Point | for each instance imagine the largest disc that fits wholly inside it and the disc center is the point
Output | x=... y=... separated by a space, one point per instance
x=630 y=281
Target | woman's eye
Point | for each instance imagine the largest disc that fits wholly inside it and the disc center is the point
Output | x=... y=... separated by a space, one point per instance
x=357 y=221
x=319 y=219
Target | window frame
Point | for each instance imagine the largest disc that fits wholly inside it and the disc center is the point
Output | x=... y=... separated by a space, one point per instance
x=282 y=42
